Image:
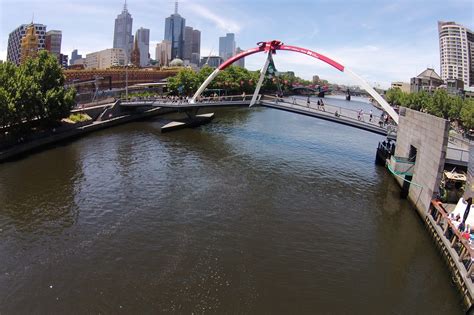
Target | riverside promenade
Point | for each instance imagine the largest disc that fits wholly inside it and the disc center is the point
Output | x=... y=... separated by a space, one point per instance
x=105 y=116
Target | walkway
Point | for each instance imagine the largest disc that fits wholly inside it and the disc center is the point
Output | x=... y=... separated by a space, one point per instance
x=345 y=116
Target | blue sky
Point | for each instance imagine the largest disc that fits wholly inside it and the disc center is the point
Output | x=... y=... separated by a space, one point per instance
x=382 y=41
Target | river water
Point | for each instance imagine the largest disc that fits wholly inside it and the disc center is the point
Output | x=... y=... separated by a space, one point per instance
x=261 y=211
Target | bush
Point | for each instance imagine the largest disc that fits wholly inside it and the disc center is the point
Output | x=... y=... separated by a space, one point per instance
x=79 y=117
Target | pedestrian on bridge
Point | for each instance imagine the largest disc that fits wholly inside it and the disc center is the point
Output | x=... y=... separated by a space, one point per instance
x=308 y=102
x=370 y=116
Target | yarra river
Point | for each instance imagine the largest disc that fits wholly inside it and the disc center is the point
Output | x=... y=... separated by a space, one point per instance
x=261 y=211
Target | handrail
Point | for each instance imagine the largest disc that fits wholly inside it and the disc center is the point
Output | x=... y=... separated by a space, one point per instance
x=375 y=118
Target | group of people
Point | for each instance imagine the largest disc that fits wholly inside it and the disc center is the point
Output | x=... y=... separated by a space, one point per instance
x=460 y=222
x=360 y=115
x=320 y=104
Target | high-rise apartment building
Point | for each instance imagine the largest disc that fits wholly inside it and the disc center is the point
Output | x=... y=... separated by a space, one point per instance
x=456 y=49
x=174 y=33
x=105 y=59
x=123 y=37
x=227 y=46
x=53 y=43
x=143 y=39
x=163 y=53
x=15 y=37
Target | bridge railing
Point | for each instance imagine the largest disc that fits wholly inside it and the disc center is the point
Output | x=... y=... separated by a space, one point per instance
x=186 y=100
x=337 y=111
x=455 y=239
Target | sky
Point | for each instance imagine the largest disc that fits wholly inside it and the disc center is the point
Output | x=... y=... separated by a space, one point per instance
x=381 y=41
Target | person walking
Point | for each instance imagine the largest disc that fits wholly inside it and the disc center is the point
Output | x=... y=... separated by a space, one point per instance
x=308 y=102
x=370 y=116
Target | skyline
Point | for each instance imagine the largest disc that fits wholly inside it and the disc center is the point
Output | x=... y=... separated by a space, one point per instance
x=383 y=43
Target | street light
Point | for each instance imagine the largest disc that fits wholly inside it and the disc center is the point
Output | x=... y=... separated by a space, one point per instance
x=126 y=80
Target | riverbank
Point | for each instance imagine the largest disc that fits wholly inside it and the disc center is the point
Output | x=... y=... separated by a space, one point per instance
x=108 y=116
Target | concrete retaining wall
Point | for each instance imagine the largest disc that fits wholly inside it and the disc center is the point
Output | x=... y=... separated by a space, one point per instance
x=429 y=135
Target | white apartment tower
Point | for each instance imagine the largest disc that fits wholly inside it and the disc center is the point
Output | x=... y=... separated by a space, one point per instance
x=456 y=49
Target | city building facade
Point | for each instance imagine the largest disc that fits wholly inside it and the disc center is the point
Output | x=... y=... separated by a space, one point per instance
x=196 y=47
x=211 y=61
x=192 y=45
x=53 y=43
x=227 y=46
x=403 y=86
x=15 y=37
x=163 y=53
x=135 y=56
x=105 y=59
x=123 y=37
x=63 y=60
x=174 y=33
x=143 y=39
x=29 y=44
x=456 y=48
x=241 y=61
x=427 y=81
x=74 y=56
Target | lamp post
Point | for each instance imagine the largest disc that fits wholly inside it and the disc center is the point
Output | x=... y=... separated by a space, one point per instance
x=126 y=81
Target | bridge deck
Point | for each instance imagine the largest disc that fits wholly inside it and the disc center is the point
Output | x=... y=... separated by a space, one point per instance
x=345 y=116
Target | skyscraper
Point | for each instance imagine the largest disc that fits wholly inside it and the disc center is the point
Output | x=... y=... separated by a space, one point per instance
x=163 y=53
x=188 y=43
x=143 y=38
x=241 y=61
x=15 y=37
x=456 y=49
x=74 y=57
x=123 y=32
x=227 y=46
x=53 y=43
x=192 y=45
x=174 y=33
x=196 y=47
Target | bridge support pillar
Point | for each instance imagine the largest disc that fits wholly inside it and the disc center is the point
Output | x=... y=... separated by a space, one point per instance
x=260 y=80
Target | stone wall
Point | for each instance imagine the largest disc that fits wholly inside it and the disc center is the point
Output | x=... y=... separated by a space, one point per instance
x=429 y=135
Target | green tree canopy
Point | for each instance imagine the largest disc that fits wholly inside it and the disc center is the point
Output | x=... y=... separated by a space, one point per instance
x=34 y=91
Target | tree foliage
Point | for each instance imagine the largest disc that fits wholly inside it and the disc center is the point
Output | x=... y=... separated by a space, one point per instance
x=234 y=80
x=34 y=91
x=440 y=104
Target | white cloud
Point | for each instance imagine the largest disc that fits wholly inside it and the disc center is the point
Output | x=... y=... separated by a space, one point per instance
x=223 y=23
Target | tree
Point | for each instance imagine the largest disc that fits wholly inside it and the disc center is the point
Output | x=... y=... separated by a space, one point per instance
x=33 y=92
x=467 y=114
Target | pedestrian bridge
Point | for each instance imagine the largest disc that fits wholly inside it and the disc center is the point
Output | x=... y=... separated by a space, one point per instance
x=300 y=106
